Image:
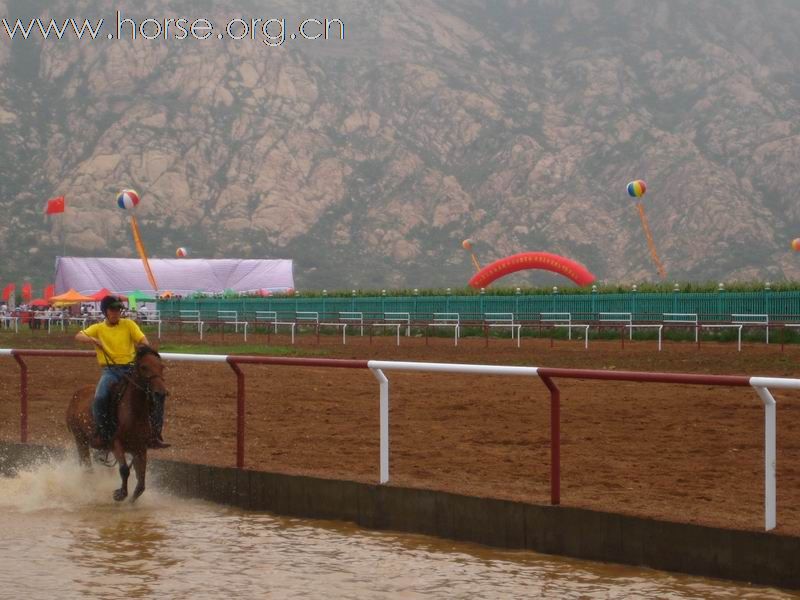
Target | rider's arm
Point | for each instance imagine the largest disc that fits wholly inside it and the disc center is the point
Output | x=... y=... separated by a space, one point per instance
x=82 y=337
x=137 y=335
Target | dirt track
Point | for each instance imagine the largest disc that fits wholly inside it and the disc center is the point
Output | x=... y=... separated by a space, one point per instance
x=684 y=453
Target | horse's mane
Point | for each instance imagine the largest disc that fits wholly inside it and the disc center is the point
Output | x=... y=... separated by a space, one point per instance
x=143 y=351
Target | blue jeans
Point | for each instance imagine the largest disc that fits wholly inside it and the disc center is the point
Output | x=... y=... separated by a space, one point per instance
x=105 y=423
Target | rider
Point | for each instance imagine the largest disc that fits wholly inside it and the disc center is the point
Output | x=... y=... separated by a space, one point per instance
x=116 y=340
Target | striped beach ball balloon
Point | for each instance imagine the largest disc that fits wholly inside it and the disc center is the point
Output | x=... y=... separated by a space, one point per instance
x=128 y=199
x=796 y=244
x=637 y=188
x=181 y=252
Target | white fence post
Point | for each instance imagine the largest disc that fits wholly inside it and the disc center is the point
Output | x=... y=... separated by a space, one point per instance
x=384 y=424
x=770 y=457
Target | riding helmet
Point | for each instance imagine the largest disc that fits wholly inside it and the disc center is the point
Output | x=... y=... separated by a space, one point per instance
x=110 y=302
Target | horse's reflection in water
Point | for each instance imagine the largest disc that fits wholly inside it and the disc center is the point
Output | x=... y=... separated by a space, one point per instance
x=135 y=396
x=125 y=551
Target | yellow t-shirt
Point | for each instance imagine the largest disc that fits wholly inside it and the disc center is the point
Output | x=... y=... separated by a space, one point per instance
x=119 y=341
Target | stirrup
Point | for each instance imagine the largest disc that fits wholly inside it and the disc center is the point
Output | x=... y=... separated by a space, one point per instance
x=104 y=457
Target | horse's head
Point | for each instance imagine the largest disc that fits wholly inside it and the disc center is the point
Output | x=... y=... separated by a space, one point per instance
x=150 y=372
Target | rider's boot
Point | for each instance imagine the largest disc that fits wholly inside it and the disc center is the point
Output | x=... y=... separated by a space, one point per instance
x=103 y=428
x=156 y=441
x=103 y=457
x=156 y=425
x=101 y=445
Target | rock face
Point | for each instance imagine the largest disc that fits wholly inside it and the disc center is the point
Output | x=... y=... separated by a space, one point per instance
x=515 y=123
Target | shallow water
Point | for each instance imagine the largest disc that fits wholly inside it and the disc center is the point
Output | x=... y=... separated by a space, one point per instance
x=64 y=537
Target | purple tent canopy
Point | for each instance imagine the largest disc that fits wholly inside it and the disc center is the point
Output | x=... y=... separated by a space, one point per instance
x=180 y=276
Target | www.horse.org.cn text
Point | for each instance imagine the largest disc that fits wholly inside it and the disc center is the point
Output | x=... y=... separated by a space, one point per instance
x=272 y=32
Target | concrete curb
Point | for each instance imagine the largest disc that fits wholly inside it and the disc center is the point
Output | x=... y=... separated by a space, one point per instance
x=755 y=557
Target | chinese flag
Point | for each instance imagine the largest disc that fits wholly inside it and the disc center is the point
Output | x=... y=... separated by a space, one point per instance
x=56 y=205
x=49 y=291
x=27 y=293
x=7 y=291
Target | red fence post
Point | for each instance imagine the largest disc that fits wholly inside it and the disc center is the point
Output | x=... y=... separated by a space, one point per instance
x=555 y=440
x=23 y=398
x=239 y=413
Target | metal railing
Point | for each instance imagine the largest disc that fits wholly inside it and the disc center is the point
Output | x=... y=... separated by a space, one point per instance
x=378 y=368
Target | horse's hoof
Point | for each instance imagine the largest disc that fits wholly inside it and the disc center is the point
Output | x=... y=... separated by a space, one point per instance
x=136 y=493
x=120 y=495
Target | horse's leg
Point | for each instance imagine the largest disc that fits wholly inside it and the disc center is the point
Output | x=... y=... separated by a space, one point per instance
x=124 y=471
x=83 y=452
x=140 y=466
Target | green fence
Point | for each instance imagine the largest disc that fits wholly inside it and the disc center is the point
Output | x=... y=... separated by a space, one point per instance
x=709 y=306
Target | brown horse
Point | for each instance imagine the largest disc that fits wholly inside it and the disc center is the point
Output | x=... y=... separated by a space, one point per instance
x=134 y=396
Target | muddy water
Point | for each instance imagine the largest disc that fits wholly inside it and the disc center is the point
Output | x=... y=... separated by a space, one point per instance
x=61 y=536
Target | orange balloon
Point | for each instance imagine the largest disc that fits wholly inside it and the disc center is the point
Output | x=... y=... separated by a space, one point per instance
x=796 y=244
x=466 y=244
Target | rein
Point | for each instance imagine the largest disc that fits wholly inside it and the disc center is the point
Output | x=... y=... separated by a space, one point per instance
x=133 y=380
x=127 y=376
x=136 y=378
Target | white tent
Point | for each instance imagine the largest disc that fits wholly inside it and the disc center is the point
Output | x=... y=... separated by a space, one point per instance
x=181 y=276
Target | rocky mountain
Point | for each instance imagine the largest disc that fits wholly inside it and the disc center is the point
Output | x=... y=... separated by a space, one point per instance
x=516 y=123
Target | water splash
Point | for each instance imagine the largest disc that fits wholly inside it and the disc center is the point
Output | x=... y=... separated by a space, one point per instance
x=57 y=484
x=60 y=484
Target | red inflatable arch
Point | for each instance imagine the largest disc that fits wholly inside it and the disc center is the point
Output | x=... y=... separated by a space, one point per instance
x=532 y=260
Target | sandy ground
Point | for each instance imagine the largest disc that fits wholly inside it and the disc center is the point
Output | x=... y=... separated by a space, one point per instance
x=682 y=453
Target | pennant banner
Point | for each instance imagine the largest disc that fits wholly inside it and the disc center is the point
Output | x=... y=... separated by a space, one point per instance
x=137 y=238
x=7 y=291
x=55 y=205
x=27 y=292
x=49 y=291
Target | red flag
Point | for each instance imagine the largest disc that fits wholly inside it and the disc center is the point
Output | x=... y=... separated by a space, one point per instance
x=27 y=293
x=55 y=205
x=7 y=291
x=49 y=292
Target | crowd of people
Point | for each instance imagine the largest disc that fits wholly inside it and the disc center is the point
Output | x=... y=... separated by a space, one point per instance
x=36 y=317
x=30 y=315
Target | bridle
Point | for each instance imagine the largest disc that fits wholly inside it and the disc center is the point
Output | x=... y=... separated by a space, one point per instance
x=136 y=378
